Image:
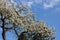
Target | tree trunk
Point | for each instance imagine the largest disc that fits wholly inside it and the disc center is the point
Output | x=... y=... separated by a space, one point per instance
x=3 y=35
x=3 y=30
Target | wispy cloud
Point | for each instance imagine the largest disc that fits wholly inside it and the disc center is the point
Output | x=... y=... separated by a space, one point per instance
x=38 y=1
x=29 y=4
x=45 y=3
x=51 y=4
x=46 y=6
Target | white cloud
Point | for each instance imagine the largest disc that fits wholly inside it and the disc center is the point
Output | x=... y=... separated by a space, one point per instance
x=45 y=3
x=46 y=6
x=29 y=4
x=38 y=1
x=51 y=4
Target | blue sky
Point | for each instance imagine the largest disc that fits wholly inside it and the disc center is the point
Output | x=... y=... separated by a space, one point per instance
x=47 y=10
